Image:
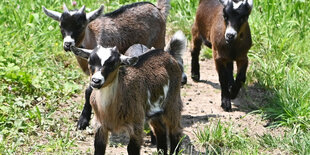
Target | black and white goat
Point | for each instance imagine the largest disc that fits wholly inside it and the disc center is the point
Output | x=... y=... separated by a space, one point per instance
x=130 y=90
x=137 y=23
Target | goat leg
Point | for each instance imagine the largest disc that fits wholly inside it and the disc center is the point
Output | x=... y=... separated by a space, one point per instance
x=161 y=135
x=196 y=43
x=223 y=78
x=101 y=138
x=86 y=113
x=230 y=69
x=242 y=66
x=175 y=137
x=136 y=140
x=153 y=138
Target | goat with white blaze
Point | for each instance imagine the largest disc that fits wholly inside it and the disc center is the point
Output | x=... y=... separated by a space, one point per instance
x=131 y=90
x=137 y=23
x=223 y=26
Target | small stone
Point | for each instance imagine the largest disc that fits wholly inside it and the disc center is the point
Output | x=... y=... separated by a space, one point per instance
x=210 y=101
x=187 y=103
x=198 y=93
x=202 y=111
x=189 y=99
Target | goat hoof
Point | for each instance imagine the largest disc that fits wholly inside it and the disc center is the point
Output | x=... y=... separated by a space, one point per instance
x=226 y=105
x=195 y=77
x=83 y=123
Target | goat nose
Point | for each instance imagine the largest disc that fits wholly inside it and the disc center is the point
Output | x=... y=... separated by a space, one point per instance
x=96 y=81
x=68 y=44
x=230 y=36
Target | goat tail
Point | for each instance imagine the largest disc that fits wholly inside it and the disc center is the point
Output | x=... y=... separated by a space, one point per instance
x=164 y=7
x=177 y=46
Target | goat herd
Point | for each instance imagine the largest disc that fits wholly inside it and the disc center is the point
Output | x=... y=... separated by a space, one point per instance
x=136 y=78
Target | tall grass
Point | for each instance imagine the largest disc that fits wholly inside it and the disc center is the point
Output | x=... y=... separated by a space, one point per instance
x=281 y=60
x=36 y=77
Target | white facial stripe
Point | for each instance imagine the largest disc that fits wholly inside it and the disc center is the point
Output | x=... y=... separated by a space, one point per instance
x=99 y=76
x=104 y=54
x=237 y=5
x=72 y=12
x=69 y=39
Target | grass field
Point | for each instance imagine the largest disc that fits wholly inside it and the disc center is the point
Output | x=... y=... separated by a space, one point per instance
x=36 y=75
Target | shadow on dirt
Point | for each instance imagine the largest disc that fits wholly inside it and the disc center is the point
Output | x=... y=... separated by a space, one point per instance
x=189 y=120
x=214 y=85
x=251 y=98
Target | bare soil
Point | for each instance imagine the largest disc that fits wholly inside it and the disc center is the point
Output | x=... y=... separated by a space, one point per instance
x=201 y=107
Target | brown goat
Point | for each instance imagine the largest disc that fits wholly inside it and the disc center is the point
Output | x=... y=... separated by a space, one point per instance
x=223 y=26
x=141 y=22
x=130 y=90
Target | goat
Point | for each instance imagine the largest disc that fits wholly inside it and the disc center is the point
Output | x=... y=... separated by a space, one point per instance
x=130 y=90
x=140 y=22
x=223 y=26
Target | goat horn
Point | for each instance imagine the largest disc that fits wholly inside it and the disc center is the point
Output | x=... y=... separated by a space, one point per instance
x=53 y=14
x=94 y=14
x=65 y=8
x=82 y=9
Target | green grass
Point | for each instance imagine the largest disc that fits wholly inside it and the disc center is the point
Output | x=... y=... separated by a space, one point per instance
x=220 y=138
x=38 y=79
x=281 y=60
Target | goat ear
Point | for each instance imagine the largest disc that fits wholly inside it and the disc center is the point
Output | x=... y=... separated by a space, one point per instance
x=64 y=7
x=115 y=49
x=53 y=14
x=250 y=3
x=82 y=9
x=94 y=14
x=224 y=2
x=83 y=53
x=128 y=61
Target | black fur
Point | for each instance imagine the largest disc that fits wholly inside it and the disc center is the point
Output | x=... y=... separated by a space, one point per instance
x=86 y=113
x=100 y=144
x=133 y=147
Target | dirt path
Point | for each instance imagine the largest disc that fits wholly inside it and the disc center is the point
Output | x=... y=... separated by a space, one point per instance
x=201 y=106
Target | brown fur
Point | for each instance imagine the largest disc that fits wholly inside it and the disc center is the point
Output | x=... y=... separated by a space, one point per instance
x=144 y=24
x=128 y=108
x=209 y=28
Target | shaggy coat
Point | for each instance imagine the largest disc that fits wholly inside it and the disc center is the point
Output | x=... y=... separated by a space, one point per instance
x=131 y=90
